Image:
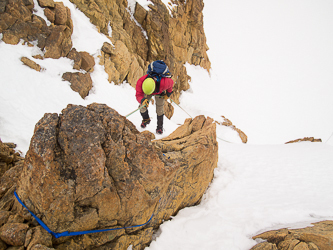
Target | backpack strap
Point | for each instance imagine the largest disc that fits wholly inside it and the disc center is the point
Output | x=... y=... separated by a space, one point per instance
x=166 y=70
x=152 y=66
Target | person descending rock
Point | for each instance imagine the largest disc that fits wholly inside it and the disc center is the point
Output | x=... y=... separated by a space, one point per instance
x=157 y=82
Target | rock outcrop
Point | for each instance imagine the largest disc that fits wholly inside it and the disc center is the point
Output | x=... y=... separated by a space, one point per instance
x=226 y=122
x=139 y=36
x=80 y=82
x=18 y=22
x=90 y=168
x=310 y=139
x=11 y=165
x=317 y=237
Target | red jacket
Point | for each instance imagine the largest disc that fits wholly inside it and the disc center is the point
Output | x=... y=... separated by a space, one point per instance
x=165 y=84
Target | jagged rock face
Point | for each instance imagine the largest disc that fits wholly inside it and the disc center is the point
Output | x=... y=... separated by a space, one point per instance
x=18 y=22
x=12 y=230
x=11 y=164
x=318 y=236
x=154 y=35
x=8 y=157
x=90 y=168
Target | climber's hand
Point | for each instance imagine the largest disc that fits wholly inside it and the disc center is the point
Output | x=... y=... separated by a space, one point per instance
x=167 y=96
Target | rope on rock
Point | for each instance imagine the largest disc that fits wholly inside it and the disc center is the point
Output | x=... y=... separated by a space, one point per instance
x=63 y=234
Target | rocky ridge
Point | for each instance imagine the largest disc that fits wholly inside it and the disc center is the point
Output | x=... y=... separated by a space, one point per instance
x=226 y=122
x=309 y=139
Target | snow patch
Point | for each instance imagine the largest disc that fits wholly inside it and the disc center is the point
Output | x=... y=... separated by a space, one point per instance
x=39 y=11
x=109 y=30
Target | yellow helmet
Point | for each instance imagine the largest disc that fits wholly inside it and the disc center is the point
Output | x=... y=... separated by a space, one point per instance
x=148 y=86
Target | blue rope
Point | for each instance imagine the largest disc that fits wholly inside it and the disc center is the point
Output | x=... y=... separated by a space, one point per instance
x=63 y=234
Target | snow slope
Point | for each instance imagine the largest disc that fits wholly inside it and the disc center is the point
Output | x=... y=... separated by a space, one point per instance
x=255 y=188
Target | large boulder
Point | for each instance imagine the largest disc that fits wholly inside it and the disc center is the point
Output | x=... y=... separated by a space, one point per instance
x=14 y=233
x=58 y=43
x=90 y=168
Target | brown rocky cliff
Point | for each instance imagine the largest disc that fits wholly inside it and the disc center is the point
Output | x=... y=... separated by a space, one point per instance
x=137 y=38
x=153 y=35
x=17 y=22
x=89 y=168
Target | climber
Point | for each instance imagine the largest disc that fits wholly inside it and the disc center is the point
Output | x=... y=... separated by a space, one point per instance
x=157 y=82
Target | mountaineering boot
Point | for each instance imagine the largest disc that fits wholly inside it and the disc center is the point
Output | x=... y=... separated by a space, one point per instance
x=159 y=129
x=145 y=122
x=145 y=119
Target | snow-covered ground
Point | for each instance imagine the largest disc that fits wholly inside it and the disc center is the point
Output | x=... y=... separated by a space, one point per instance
x=255 y=188
x=271 y=76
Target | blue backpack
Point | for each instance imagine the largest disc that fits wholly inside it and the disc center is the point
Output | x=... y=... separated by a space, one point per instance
x=158 y=69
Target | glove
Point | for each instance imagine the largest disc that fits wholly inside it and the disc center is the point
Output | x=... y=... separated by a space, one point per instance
x=166 y=95
x=144 y=101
